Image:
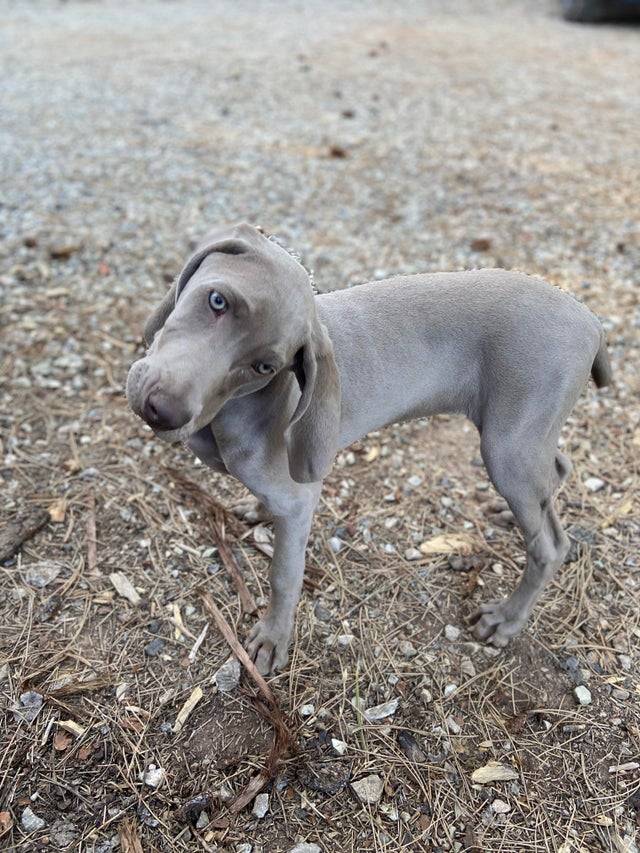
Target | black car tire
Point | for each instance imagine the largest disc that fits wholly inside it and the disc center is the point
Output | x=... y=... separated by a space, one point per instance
x=583 y=10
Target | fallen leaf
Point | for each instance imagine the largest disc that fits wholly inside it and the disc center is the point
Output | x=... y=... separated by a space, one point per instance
x=494 y=772
x=58 y=510
x=6 y=822
x=447 y=543
x=61 y=741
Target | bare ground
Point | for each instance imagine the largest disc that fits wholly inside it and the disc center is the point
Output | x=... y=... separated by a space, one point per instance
x=401 y=138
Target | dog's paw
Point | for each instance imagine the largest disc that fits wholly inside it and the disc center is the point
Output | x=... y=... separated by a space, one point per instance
x=497 y=623
x=251 y=510
x=268 y=646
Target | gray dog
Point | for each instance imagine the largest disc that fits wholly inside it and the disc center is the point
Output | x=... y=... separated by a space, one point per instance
x=266 y=381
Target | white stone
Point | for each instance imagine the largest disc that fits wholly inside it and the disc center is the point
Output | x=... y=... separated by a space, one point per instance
x=154 y=776
x=453 y=727
x=307 y=710
x=244 y=848
x=582 y=694
x=379 y=712
x=203 y=820
x=594 y=484
x=305 y=847
x=369 y=789
x=339 y=745
x=452 y=633
x=407 y=649
x=336 y=544
x=227 y=677
x=260 y=806
x=449 y=690
x=412 y=554
x=30 y=821
x=345 y=640
x=414 y=481
x=500 y=807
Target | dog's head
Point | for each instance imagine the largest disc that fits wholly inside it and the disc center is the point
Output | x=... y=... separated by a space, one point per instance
x=241 y=311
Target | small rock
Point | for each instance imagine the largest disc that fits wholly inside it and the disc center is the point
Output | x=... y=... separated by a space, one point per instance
x=63 y=250
x=594 y=484
x=244 y=848
x=582 y=694
x=227 y=677
x=467 y=668
x=452 y=633
x=260 y=806
x=449 y=690
x=41 y=574
x=493 y=772
x=321 y=612
x=203 y=820
x=410 y=746
x=339 y=745
x=453 y=727
x=336 y=544
x=379 y=712
x=414 y=481
x=154 y=648
x=63 y=833
x=29 y=707
x=620 y=693
x=369 y=789
x=500 y=807
x=307 y=710
x=412 y=554
x=345 y=640
x=625 y=662
x=30 y=821
x=304 y=847
x=154 y=776
x=408 y=650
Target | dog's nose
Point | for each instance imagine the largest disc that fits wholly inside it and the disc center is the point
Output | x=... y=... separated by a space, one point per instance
x=162 y=413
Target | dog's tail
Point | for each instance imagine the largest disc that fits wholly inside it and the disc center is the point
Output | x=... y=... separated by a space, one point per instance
x=601 y=367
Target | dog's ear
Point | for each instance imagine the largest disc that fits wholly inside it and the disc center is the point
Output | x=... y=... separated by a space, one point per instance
x=159 y=315
x=228 y=246
x=313 y=433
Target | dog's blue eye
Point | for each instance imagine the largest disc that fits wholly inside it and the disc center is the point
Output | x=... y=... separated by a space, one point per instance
x=263 y=368
x=217 y=302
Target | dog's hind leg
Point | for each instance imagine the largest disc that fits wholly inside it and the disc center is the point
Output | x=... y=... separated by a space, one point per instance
x=526 y=471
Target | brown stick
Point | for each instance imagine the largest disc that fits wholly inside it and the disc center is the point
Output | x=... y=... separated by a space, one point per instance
x=269 y=709
x=17 y=532
x=217 y=524
x=92 y=545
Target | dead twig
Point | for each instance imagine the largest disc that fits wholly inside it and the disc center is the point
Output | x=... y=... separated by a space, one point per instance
x=17 y=532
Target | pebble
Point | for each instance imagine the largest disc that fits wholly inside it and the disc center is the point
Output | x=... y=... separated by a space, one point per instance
x=203 y=820
x=582 y=694
x=154 y=648
x=260 y=806
x=452 y=633
x=41 y=574
x=305 y=847
x=307 y=710
x=412 y=554
x=467 y=668
x=379 y=712
x=620 y=693
x=453 y=727
x=408 y=650
x=339 y=745
x=625 y=662
x=369 y=789
x=30 y=821
x=594 y=484
x=336 y=544
x=449 y=690
x=414 y=481
x=227 y=677
x=345 y=640
x=29 y=707
x=244 y=848
x=500 y=807
x=154 y=776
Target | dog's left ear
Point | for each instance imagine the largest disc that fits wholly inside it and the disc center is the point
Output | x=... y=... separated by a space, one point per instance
x=313 y=433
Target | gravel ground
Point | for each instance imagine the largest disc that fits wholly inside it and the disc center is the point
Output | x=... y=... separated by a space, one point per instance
x=375 y=139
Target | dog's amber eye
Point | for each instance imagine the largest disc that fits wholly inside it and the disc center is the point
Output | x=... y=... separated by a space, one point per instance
x=217 y=302
x=262 y=368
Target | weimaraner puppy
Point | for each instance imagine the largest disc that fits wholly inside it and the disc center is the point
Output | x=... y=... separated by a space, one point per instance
x=266 y=381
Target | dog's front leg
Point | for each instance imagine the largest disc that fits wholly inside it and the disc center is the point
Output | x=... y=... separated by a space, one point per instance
x=268 y=643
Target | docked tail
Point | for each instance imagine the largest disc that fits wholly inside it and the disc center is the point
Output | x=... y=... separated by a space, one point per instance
x=601 y=367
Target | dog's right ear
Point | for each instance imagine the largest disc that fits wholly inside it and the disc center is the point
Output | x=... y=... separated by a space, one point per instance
x=226 y=246
x=159 y=316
